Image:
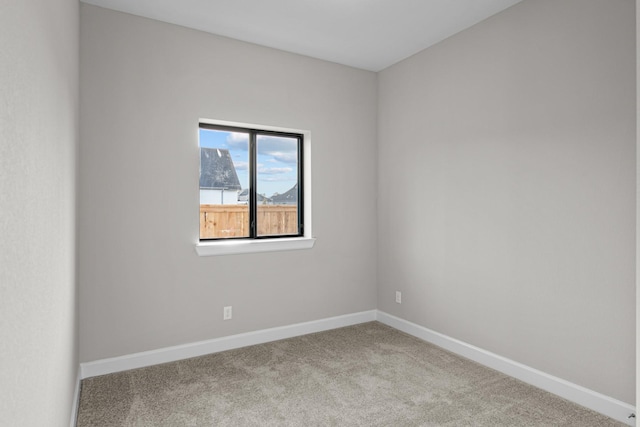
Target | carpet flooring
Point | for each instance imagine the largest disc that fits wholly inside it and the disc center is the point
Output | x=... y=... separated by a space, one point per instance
x=363 y=375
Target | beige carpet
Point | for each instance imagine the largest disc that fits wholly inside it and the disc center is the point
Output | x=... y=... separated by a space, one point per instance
x=364 y=375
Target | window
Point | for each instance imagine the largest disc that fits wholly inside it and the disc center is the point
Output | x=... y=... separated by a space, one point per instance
x=251 y=183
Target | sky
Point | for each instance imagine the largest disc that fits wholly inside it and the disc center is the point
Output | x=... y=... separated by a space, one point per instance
x=277 y=158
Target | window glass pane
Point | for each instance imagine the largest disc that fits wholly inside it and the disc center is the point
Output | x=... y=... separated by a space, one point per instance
x=277 y=185
x=224 y=184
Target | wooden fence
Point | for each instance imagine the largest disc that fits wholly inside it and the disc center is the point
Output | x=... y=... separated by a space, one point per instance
x=218 y=221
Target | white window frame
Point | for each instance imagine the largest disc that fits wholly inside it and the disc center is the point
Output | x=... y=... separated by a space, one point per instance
x=242 y=246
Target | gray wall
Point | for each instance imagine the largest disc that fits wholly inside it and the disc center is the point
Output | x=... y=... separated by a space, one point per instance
x=514 y=145
x=505 y=171
x=144 y=85
x=38 y=144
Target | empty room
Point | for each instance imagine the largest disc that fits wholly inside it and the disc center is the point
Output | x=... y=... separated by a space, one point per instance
x=355 y=212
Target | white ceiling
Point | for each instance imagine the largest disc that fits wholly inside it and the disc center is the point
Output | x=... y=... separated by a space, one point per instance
x=367 y=34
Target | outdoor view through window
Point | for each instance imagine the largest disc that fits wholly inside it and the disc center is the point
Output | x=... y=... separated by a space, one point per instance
x=249 y=183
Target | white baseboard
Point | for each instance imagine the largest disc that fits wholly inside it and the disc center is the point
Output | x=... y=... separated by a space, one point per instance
x=598 y=402
x=76 y=401
x=606 y=405
x=186 y=351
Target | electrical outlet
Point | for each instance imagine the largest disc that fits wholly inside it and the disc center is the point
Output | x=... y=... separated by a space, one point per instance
x=399 y=297
x=227 y=313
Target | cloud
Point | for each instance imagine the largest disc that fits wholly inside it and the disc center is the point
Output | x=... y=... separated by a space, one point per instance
x=273 y=171
x=274 y=144
x=290 y=157
x=278 y=178
x=281 y=149
x=238 y=136
x=241 y=166
x=238 y=141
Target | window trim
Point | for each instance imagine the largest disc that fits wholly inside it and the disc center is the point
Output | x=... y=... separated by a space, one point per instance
x=247 y=246
x=267 y=243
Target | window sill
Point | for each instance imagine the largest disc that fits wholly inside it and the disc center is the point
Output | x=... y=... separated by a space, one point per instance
x=253 y=246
